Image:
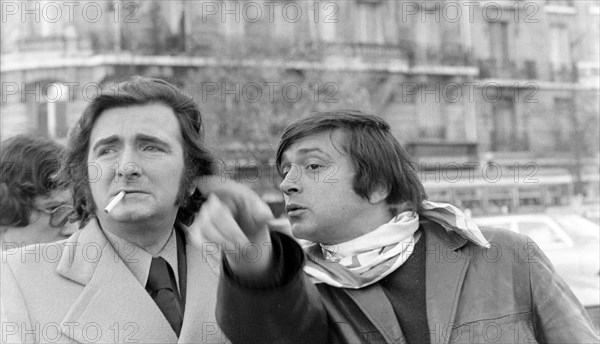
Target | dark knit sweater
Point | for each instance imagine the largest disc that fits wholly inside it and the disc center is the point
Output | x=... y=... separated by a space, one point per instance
x=405 y=288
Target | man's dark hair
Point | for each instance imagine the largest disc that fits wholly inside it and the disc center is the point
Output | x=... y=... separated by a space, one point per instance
x=28 y=167
x=378 y=158
x=139 y=91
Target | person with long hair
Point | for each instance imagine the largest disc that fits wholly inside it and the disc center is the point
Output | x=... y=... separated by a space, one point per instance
x=34 y=206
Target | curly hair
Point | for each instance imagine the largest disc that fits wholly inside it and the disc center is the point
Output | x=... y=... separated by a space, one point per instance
x=378 y=158
x=28 y=167
x=139 y=91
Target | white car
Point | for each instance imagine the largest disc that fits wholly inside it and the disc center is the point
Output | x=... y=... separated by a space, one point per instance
x=571 y=242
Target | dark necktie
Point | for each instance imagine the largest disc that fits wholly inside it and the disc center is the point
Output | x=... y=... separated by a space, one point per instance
x=163 y=289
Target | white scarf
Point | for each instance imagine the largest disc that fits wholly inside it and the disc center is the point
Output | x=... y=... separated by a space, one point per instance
x=369 y=258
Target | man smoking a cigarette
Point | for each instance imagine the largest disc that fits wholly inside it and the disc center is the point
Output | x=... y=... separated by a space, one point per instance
x=129 y=273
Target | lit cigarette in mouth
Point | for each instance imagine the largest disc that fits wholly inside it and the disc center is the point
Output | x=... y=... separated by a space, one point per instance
x=114 y=202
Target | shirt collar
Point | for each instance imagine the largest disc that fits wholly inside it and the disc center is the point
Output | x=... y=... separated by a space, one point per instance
x=138 y=260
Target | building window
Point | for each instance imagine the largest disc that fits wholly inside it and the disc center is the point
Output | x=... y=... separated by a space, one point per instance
x=430 y=32
x=52 y=119
x=432 y=125
x=176 y=41
x=427 y=30
x=369 y=23
x=455 y=121
x=563 y=124
x=499 y=43
x=328 y=32
x=175 y=16
x=506 y=135
x=560 y=47
x=52 y=27
x=51 y=112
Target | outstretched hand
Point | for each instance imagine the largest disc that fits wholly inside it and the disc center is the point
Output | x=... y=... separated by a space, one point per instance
x=235 y=218
x=248 y=209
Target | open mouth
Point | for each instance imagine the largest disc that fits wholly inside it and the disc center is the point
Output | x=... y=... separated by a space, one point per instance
x=293 y=209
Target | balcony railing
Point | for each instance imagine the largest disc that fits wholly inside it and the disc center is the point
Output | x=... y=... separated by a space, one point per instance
x=562 y=73
x=448 y=55
x=429 y=153
x=492 y=68
x=367 y=51
x=52 y=44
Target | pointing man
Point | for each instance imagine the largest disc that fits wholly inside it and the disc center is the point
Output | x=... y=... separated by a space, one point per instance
x=386 y=266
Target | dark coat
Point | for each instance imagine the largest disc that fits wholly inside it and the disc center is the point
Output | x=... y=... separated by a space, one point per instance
x=509 y=293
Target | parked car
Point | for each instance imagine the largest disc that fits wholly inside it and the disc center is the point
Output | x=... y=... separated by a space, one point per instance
x=571 y=242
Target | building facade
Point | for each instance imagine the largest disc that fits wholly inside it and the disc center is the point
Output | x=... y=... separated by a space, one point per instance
x=498 y=101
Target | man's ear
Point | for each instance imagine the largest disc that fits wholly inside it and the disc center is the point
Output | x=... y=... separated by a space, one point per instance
x=191 y=189
x=379 y=194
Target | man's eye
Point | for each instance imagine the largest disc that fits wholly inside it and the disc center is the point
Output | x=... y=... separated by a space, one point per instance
x=104 y=151
x=151 y=149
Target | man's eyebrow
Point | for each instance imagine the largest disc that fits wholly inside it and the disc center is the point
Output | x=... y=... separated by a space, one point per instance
x=105 y=141
x=149 y=138
x=302 y=151
x=154 y=140
x=305 y=151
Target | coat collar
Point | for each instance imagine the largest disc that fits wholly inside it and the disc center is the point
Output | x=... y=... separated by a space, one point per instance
x=114 y=307
x=113 y=304
x=446 y=265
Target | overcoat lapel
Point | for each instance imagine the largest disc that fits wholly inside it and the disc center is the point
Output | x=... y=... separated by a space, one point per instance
x=446 y=267
x=378 y=309
x=113 y=306
x=199 y=324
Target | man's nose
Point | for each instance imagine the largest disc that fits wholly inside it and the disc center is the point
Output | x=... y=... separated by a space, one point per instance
x=291 y=182
x=129 y=166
